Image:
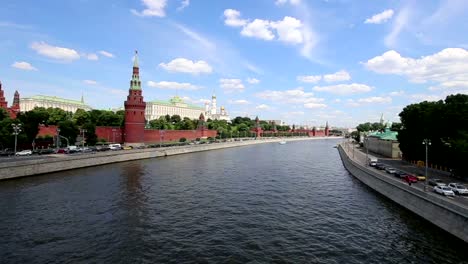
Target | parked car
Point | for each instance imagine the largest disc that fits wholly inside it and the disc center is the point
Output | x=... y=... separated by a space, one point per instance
x=390 y=170
x=7 y=152
x=436 y=182
x=457 y=188
x=26 y=152
x=444 y=190
x=128 y=148
x=410 y=178
x=61 y=151
x=115 y=146
x=46 y=151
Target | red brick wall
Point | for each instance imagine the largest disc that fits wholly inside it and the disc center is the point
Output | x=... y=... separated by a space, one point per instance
x=152 y=136
x=110 y=134
x=47 y=130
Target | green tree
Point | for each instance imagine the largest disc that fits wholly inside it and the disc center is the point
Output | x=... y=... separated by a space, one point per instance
x=81 y=117
x=30 y=121
x=69 y=130
x=57 y=115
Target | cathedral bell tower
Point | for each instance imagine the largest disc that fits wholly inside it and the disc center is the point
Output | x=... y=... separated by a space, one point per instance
x=135 y=109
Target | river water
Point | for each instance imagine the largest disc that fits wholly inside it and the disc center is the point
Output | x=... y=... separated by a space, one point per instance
x=268 y=203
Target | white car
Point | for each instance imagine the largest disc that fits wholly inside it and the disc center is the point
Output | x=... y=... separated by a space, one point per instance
x=26 y=152
x=444 y=190
x=390 y=170
x=458 y=188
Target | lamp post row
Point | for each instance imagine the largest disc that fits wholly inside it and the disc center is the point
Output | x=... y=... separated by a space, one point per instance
x=16 y=131
x=426 y=142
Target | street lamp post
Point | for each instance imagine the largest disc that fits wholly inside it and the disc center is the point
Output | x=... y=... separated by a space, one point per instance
x=366 y=144
x=82 y=131
x=16 y=131
x=426 y=142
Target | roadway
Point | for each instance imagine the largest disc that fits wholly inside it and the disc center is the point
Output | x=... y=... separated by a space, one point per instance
x=359 y=156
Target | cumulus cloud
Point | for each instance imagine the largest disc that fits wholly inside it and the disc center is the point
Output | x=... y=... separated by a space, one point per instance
x=253 y=81
x=258 y=28
x=231 y=85
x=22 y=65
x=54 y=52
x=262 y=107
x=337 y=76
x=446 y=68
x=309 y=78
x=239 y=102
x=292 y=2
x=152 y=8
x=187 y=66
x=106 y=54
x=333 y=77
x=344 y=89
x=173 y=85
x=380 y=17
x=293 y=96
x=89 y=82
x=233 y=18
x=375 y=99
x=289 y=30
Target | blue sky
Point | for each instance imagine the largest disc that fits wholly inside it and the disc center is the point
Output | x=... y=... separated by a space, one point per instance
x=304 y=62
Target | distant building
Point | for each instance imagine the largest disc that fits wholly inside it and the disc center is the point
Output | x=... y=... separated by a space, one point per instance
x=175 y=106
x=29 y=103
x=211 y=111
x=384 y=143
x=15 y=108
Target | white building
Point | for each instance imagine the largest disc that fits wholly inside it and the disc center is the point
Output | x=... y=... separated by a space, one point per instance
x=29 y=103
x=175 y=106
x=213 y=113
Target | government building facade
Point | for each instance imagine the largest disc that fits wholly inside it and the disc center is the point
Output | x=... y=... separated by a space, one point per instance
x=175 y=106
x=29 y=103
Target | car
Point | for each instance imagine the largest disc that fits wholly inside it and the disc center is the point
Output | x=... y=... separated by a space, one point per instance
x=410 y=178
x=390 y=170
x=380 y=166
x=26 y=152
x=400 y=174
x=436 y=182
x=127 y=148
x=457 y=188
x=444 y=190
x=421 y=177
x=7 y=152
x=46 y=151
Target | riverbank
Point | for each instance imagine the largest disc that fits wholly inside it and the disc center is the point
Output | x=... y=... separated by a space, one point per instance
x=55 y=163
x=440 y=211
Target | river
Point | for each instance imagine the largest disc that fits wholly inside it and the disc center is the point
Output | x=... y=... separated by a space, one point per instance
x=268 y=203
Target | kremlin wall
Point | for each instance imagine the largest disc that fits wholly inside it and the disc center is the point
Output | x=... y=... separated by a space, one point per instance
x=134 y=132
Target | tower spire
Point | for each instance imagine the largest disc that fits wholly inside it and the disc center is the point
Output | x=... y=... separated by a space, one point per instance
x=135 y=83
x=135 y=60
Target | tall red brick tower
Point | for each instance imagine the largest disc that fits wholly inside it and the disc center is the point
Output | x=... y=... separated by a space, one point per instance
x=135 y=109
x=15 y=108
x=3 y=102
x=327 y=130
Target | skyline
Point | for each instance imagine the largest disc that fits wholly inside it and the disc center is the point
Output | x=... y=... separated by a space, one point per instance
x=304 y=62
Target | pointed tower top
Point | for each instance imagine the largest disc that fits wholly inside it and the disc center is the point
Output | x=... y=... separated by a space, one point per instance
x=135 y=60
x=82 y=98
x=326 y=124
x=256 y=119
x=382 y=119
x=202 y=117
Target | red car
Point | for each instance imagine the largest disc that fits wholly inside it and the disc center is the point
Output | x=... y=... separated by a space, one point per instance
x=410 y=178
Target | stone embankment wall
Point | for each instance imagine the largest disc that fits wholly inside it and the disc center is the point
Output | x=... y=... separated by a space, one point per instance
x=22 y=168
x=442 y=212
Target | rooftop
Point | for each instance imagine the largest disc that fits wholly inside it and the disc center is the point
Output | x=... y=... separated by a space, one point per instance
x=386 y=135
x=176 y=101
x=55 y=99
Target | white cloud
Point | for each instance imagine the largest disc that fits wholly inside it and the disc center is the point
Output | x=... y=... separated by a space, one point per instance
x=292 y=2
x=446 y=68
x=262 y=107
x=239 y=102
x=92 y=56
x=397 y=93
x=344 y=89
x=309 y=78
x=289 y=30
x=232 y=85
x=187 y=66
x=54 y=52
x=294 y=96
x=334 y=77
x=380 y=18
x=337 y=77
x=90 y=82
x=173 y=85
x=22 y=65
x=153 y=8
x=183 y=4
x=253 y=81
x=106 y=54
x=258 y=28
x=400 y=22
x=375 y=99
x=233 y=18
x=314 y=105
x=195 y=101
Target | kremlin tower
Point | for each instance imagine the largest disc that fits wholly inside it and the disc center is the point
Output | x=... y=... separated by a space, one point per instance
x=3 y=102
x=15 y=108
x=135 y=109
